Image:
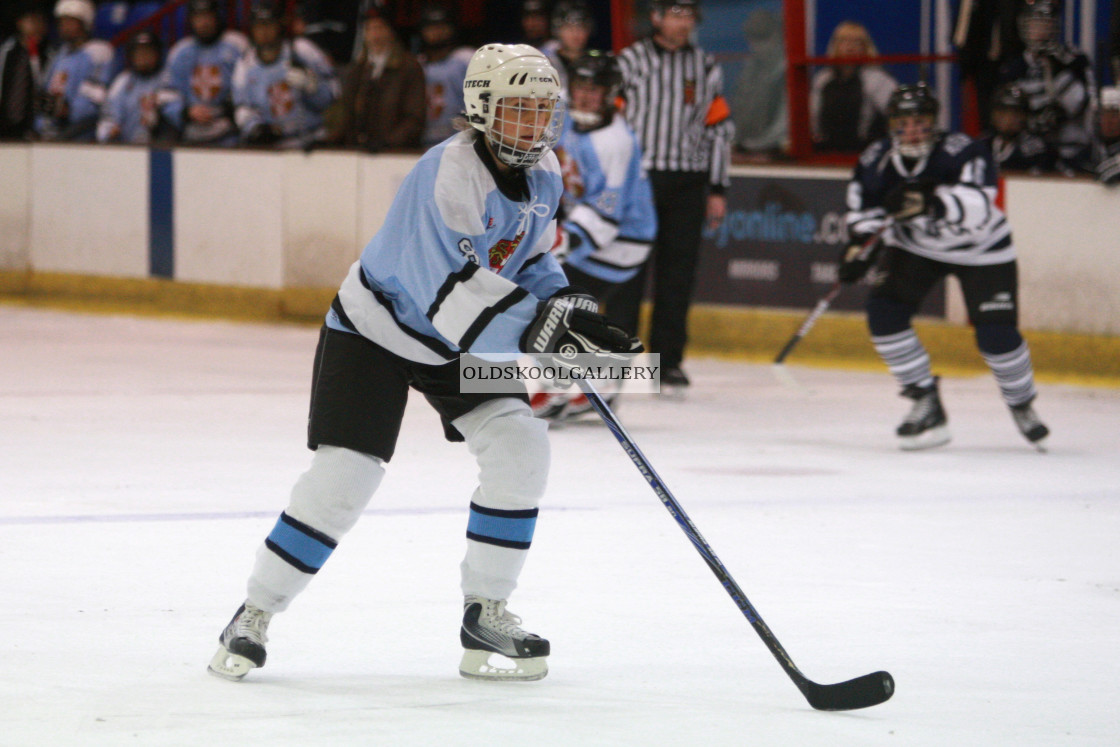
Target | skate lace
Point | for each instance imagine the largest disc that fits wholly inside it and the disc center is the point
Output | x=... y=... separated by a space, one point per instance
x=1026 y=418
x=922 y=407
x=497 y=617
x=252 y=623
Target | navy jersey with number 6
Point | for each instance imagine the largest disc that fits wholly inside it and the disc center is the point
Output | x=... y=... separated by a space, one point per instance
x=972 y=229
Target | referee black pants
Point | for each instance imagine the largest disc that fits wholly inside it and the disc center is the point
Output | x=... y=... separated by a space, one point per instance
x=680 y=198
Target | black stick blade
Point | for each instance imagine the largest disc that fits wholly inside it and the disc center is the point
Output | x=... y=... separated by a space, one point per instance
x=862 y=692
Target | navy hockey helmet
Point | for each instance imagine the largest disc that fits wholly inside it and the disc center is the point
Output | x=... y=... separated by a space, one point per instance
x=913 y=100
x=1010 y=97
x=667 y=6
x=204 y=6
x=265 y=11
x=433 y=15
x=572 y=13
x=599 y=69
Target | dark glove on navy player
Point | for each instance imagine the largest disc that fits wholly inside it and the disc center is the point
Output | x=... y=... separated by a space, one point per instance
x=910 y=199
x=566 y=327
x=857 y=258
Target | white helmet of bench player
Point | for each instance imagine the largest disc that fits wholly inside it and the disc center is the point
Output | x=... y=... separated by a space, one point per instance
x=512 y=95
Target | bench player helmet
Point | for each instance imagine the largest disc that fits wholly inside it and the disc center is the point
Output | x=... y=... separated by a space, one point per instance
x=599 y=69
x=913 y=100
x=513 y=86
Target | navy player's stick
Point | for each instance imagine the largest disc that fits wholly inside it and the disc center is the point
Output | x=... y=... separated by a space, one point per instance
x=826 y=301
x=862 y=692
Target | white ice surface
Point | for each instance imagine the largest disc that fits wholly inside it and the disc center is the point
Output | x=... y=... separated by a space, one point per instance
x=142 y=461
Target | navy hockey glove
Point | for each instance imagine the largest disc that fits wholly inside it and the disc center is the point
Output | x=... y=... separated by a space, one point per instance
x=857 y=259
x=911 y=199
x=563 y=330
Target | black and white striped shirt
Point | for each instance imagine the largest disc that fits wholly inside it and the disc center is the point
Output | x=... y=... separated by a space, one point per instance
x=675 y=105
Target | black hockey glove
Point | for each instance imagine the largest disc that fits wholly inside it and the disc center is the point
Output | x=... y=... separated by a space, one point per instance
x=857 y=259
x=263 y=134
x=911 y=199
x=565 y=328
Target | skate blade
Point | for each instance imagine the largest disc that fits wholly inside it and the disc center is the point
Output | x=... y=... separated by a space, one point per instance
x=476 y=665
x=229 y=666
x=1040 y=444
x=673 y=393
x=938 y=436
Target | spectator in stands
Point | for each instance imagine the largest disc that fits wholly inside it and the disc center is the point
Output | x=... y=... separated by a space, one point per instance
x=131 y=113
x=75 y=83
x=845 y=88
x=1014 y=147
x=759 y=104
x=198 y=99
x=22 y=59
x=1106 y=143
x=572 y=27
x=445 y=66
x=383 y=98
x=535 y=23
x=281 y=88
x=1058 y=83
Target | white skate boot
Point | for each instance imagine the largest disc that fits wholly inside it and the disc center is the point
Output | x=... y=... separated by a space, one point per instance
x=490 y=630
x=242 y=643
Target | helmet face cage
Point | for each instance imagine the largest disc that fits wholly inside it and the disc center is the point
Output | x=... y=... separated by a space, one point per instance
x=913 y=101
x=512 y=95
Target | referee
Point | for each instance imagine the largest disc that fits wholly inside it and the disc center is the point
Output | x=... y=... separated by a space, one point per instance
x=674 y=103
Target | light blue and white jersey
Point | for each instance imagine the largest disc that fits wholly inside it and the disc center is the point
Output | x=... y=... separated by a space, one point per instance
x=80 y=77
x=459 y=264
x=444 y=83
x=290 y=93
x=607 y=200
x=199 y=73
x=131 y=111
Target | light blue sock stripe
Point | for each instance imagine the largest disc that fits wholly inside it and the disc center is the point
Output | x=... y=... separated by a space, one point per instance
x=307 y=550
x=502 y=528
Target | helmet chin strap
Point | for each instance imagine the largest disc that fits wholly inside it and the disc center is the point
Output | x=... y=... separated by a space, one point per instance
x=586 y=119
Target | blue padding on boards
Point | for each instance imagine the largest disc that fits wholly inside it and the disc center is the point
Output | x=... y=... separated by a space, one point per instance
x=504 y=528
x=161 y=214
x=297 y=546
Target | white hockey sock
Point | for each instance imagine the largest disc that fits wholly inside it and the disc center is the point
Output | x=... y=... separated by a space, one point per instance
x=906 y=358
x=1014 y=374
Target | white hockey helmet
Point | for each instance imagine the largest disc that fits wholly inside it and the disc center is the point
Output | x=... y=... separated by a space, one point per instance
x=512 y=95
x=80 y=9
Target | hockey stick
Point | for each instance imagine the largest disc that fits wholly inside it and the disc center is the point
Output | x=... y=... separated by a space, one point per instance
x=828 y=298
x=862 y=692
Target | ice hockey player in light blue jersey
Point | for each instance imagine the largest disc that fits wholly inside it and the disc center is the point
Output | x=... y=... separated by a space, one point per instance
x=281 y=88
x=462 y=263
x=131 y=112
x=198 y=100
x=76 y=80
x=609 y=219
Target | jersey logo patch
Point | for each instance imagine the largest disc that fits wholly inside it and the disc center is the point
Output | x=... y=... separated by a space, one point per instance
x=206 y=82
x=501 y=252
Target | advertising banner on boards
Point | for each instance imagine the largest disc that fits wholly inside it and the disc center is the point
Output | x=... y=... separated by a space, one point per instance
x=779 y=246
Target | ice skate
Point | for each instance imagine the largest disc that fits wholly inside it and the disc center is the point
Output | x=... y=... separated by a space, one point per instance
x=489 y=630
x=926 y=424
x=549 y=405
x=1029 y=425
x=242 y=643
x=674 y=382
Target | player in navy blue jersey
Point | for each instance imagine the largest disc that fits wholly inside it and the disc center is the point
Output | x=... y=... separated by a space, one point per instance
x=460 y=265
x=933 y=195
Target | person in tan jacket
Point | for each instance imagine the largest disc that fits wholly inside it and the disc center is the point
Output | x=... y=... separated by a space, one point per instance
x=383 y=97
